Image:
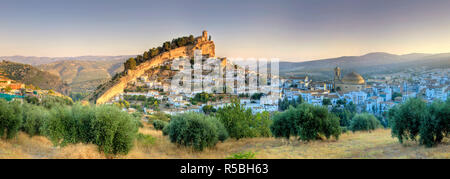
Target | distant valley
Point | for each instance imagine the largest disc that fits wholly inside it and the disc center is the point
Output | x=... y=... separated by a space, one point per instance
x=82 y=74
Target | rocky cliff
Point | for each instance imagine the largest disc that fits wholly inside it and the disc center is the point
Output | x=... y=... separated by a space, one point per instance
x=114 y=87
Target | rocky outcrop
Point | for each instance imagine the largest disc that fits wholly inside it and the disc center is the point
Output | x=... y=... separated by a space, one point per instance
x=107 y=93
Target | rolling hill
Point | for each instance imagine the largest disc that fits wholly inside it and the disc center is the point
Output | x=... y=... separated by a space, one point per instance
x=30 y=75
x=84 y=75
x=372 y=63
x=35 y=61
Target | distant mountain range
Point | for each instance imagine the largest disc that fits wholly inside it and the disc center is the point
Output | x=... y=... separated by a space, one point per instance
x=32 y=60
x=372 y=63
x=82 y=73
x=85 y=73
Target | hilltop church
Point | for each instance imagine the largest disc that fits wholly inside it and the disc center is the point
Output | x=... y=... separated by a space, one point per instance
x=350 y=82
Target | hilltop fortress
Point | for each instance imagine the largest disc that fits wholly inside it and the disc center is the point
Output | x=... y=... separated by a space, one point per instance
x=113 y=88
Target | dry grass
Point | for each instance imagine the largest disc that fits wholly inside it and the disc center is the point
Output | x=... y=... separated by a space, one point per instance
x=27 y=147
x=377 y=144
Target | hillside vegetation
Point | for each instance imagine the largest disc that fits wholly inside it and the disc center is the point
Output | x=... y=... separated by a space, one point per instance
x=377 y=144
x=57 y=128
x=156 y=56
x=84 y=76
x=30 y=75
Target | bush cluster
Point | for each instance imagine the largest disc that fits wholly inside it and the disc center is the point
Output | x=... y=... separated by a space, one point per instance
x=307 y=122
x=159 y=125
x=242 y=155
x=345 y=112
x=195 y=130
x=145 y=139
x=364 y=122
x=285 y=103
x=10 y=118
x=159 y=116
x=416 y=118
x=50 y=101
x=203 y=98
x=242 y=123
x=33 y=119
x=106 y=126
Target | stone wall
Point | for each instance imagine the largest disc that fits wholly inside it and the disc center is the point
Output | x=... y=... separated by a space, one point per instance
x=207 y=47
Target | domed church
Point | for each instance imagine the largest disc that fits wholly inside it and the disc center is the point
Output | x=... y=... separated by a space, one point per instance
x=350 y=82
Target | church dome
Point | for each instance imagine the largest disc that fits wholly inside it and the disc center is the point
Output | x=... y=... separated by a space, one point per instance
x=353 y=78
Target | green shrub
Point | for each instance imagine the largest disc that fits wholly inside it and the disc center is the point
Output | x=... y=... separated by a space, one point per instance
x=54 y=128
x=222 y=133
x=165 y=130
x=10 y=118
x=284 y=104
x=344 y=114
x=33 y=119
x=307 y=122
x=32 y=100
x=106 y=126
x=436 y=125
x=242 y=155
x=83 y=117
x=364 y=122
x=262 y=123
x=208 y=109
x=61 y=128
x=283 y=124
x=145 y=139
x=405 y=119
x=159 y=116
x=344 y=129
x=416 y=118
x=114 y=130
x=50 y=101
x=159 y=125
x=138 y=117
x=193 y=129
x=241 y=123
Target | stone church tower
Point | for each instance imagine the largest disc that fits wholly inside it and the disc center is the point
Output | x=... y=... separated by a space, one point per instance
x=337 y=76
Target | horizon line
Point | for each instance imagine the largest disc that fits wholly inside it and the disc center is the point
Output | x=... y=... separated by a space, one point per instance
x=289 y=59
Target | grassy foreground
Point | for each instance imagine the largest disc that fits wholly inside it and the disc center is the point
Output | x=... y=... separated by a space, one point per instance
x=377 y=144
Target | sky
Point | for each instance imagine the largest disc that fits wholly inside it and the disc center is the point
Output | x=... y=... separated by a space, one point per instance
x=290 y=30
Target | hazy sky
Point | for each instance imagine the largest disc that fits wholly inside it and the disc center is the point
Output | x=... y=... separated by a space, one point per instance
x=290 y=30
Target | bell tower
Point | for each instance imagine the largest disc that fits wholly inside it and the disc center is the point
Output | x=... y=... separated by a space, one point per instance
x=205 y=35
x=337 y=76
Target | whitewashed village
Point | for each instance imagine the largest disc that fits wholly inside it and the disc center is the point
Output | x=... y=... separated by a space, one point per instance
x=215 y=81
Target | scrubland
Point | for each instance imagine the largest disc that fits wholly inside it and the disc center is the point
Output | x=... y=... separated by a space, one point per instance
x=377 y=144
